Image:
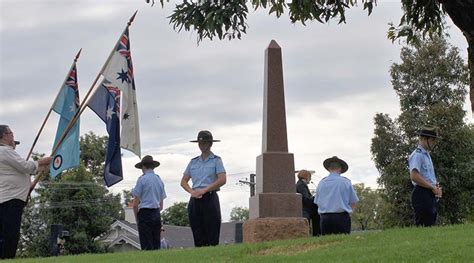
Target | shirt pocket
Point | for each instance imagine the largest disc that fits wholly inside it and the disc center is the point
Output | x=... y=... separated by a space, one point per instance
x=194 y=169
x=425 y=169
x=209 y=169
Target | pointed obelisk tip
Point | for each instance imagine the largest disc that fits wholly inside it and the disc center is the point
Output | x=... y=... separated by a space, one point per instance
x=273 y=44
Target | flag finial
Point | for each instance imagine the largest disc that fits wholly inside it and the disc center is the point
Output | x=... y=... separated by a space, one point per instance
x=77 y=56
x=132 y=18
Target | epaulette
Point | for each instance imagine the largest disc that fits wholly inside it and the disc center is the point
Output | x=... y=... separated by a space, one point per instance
x=323 y=178
x=346 y=178
x=217 y=156
x=196 y=157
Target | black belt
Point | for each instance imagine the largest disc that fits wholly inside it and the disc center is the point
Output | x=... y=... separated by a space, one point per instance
x=149 y=209
x=341 y=213
x=210 y=193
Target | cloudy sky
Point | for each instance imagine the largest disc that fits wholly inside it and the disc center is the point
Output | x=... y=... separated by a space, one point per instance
x=336 y=79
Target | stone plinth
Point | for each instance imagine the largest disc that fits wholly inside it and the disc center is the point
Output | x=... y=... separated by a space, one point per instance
x=275 y=228
x=275 y=173
x=275 y=205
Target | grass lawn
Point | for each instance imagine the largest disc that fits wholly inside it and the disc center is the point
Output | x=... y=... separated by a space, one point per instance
x=436 y=244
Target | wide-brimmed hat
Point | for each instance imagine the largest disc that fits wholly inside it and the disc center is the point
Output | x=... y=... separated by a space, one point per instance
x=148 y=162
x=334 y=159
x=428 y=132
x=205 y=136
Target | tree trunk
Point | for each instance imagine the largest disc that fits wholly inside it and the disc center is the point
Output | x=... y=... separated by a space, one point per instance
x=460 y=11
x=470 y=52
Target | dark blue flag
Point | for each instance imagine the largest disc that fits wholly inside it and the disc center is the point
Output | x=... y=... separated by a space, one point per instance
x=106 y=104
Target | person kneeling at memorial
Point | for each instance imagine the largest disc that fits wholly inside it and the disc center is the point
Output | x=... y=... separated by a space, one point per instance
x=147 y=203
x=335 y=198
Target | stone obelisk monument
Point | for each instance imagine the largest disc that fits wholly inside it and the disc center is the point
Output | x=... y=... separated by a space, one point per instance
x=276 y=209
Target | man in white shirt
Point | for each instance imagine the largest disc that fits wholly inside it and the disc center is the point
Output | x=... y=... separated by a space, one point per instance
x=14 y=189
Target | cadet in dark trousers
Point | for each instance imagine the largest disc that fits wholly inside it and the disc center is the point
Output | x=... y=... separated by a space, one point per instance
x=335 y=198
x=207 y=174
x=148 y=194
x=310 y=209
x=426 y=188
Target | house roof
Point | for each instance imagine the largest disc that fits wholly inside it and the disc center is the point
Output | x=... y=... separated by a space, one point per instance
x=127 y=239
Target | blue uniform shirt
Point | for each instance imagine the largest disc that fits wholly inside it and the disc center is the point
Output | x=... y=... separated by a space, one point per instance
x=420 y=160
x=334 y=194
x=204 y=172
x=150 y=189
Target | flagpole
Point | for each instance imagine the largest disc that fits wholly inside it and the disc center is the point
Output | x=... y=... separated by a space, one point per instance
x=51 y=108
x=83 y=105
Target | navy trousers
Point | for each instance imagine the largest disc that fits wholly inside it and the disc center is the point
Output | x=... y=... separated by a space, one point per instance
x=149 y=228
x=205 y=219
x=314 y=220
x=10 y=222
x=424 y=203
x=335 y=223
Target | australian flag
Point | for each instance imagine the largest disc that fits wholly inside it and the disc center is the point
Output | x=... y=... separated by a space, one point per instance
x=106 y=104
x=66 y=105
x=119 y=72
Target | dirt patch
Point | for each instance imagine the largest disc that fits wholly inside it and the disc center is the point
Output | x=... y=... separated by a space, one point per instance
x=295 y=249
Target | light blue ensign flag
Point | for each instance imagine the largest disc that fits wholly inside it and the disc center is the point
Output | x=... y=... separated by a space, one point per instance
x=66 y=105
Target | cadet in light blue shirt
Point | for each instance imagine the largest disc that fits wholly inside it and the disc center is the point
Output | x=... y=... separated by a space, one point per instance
x=148 y=194
x=335 y=198
x=423 y=177
x=208 y=175
x=420 y=160
x=204 y=172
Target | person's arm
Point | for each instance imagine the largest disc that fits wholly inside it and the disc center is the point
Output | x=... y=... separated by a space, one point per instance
x=185 y=185
x=416 y=177
x=353 y=198
x=136 y=192
x=221 y=180
x=21 y=165
x=162 y=197
x=302 y=189
x=135 y=203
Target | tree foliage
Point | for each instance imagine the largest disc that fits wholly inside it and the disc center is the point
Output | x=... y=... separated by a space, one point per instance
x=228 y=18
x=176 y=215
x=93 y=149
x=365 y=214
x=239 y=214
x=78 y=200
x=431 y=84
x=421 y=18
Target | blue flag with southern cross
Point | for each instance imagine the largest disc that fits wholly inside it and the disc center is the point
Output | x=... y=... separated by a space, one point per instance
x=66 y=105
x=119 y=72
x=106 y=104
